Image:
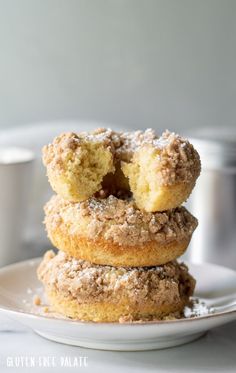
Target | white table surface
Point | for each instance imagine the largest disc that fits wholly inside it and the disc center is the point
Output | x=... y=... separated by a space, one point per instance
x=215 y=352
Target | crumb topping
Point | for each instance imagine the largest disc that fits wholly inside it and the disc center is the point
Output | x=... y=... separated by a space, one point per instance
x=88 y=282
x=177 y=159
x=119 y=221
x=37 y=300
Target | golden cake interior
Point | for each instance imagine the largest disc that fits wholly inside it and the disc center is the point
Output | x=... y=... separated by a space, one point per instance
x=76 y=168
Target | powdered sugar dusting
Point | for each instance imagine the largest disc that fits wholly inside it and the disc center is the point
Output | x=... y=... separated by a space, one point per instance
x=197 y=309
x=118 y=221
x=88 y=282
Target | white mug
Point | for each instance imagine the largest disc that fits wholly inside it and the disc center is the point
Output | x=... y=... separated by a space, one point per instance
x=16 y=166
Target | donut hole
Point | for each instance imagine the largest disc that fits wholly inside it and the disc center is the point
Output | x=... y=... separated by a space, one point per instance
x=160 y=173
x=83 y=171
x=116 y=184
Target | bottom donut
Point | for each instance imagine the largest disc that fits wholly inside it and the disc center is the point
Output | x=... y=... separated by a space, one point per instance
x=80 y=290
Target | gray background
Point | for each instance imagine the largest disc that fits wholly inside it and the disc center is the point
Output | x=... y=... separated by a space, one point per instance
x=137 y=63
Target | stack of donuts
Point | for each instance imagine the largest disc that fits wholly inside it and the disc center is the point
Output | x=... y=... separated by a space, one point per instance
x=118 y=224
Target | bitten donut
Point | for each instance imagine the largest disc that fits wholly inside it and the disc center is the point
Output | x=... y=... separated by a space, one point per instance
x=84 y=291
x=76 y=165
x=160 y=171
x=113 y=231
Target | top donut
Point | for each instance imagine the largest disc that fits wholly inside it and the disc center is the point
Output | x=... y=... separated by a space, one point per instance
x=160 y=172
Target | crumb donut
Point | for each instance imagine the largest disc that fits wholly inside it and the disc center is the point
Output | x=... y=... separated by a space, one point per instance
x=76 y=167
x=84 y=291
x=160 y=172
x=113 y=231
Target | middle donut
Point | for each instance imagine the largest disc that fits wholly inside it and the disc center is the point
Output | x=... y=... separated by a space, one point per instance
x=115 y=232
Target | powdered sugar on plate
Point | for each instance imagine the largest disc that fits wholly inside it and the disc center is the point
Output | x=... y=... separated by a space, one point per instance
x=197 y=309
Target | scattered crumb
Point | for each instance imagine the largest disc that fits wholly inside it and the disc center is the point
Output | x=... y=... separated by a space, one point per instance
x=37 y=300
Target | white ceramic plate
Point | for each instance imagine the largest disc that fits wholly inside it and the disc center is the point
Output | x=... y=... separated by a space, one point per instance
x=18 y=283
